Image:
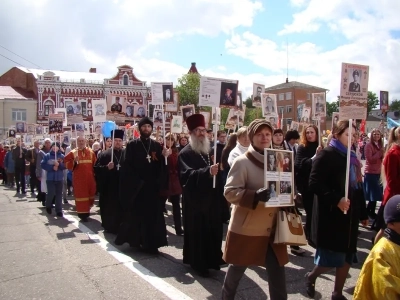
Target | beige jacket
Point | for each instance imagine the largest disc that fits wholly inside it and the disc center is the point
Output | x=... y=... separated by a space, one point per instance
x=250 y=230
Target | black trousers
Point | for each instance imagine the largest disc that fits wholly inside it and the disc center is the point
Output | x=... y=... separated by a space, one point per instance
x=34 y=182
x=20 y=179
x=4 y=175
x=176 y=210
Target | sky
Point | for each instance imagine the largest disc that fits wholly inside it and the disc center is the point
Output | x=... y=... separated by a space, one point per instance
x=246 y=40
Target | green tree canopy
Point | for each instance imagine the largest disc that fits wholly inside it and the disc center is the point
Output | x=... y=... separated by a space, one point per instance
x=188 y=89
x=394 y=105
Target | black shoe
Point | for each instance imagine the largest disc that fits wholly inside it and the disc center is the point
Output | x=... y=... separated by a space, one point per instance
x=48 y=210
x=153 y=251
x=338 y=297
x=60 y=214
x=310 y=286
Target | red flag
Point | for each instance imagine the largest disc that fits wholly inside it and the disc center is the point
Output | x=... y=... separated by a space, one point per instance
x=136 y=133
x=362 y=126
x=278 y=125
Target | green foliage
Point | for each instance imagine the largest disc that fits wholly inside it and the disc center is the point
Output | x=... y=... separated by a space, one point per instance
x=394 y=105
x=188 y=89
x=373 y=101
x=332 y=107
x=249 y=102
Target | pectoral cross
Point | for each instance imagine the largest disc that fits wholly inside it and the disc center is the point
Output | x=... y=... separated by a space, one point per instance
x=148 y=158
x=118 y=167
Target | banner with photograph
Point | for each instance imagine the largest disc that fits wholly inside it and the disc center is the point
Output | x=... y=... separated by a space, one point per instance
x=20 y=127
x=74 y=112
x=305 y=117
x=187 y=111
x=99 y=110
x=176 y=124
x=268 y=105
x=56 y=123
x=28 y=139
x=217 y=92
x=38 y=129
x=173 y=106
x=384 y=100
x=158 y=118
x=116 y=108
x=64 y=113
x=11 y=133
x=258 y=89
x=30 y=128
x=335 y=119
x=67 y=135
x=162 y=93
x=279 y=177
x=294 y=125
x=318 y=106
x=353 y=91
x=207 y=118
x=235 y=118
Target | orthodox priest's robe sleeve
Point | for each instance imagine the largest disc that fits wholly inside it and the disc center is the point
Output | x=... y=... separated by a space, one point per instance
x=192 y=174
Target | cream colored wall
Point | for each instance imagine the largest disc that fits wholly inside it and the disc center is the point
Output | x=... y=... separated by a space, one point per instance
x=372 y=124
x=6 y=107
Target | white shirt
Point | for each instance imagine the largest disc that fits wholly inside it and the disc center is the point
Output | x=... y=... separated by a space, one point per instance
x=237 y=151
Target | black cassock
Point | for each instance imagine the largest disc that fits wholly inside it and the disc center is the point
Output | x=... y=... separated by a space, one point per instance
x=107 y=182
x=201 y=212
x=140 y=183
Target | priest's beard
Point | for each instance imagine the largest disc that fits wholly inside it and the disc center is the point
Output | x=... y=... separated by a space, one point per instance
x=145 y=134
x=198 y=145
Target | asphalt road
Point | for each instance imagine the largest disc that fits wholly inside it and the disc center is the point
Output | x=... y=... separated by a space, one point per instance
x=45 y=257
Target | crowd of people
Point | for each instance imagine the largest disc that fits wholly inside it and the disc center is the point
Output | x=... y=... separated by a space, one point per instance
x=135 y=179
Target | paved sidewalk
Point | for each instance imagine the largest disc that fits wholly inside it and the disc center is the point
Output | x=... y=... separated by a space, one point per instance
x=45 y=257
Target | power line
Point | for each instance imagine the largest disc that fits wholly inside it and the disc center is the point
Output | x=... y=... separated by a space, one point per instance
x=20 y=56
x=12 y=60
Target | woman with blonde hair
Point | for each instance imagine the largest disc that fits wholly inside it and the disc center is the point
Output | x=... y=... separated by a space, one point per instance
x=373 y=152
x=306 y=152
x=390 y=177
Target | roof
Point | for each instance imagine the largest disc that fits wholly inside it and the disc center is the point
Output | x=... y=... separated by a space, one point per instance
x=293 y=84
x=69 y=76
x=193 y=69
x=8 y=92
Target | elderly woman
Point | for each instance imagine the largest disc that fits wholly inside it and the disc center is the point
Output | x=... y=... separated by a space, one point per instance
x=335 y=219
x=252 y=224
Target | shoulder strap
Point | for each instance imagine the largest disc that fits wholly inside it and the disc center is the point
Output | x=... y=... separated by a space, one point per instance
x=254 y=160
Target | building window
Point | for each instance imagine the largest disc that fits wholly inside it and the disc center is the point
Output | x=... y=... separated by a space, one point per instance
x=288 y=108
x=126 y=79
x=308 y=96
x=18 y=114
x=281 y=109
x=281 y=97
x=288 y=96
x=48 y=107
x=289 y=121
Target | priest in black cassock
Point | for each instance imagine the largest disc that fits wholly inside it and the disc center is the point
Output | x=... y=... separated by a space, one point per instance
x=143 y=174
x=107 y=171
x=201 y=205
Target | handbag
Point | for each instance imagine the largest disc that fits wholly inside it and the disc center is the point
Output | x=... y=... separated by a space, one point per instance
x=289 y=228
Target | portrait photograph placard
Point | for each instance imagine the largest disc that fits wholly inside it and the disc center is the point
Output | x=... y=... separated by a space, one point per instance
x=318 y=106
x=173 y=106
x=20 y=127
x=235 y=119
x=176 y=124
x=99 y=110
x=162 y=92
x=74 y=112
x=279 y=177
x=207 y=117
x=158 y=118
x=56 y=123
x=353 y=91
x=268 y=105
x=64 y=113
x=139 y=111
x=335 y=119
x=217 y=92
x=384 y=100
x=258 y=89
x=305 y=118
x=187 y=111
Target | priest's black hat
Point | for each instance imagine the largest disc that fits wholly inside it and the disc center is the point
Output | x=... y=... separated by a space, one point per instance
x=118 y=134
x=145 y=121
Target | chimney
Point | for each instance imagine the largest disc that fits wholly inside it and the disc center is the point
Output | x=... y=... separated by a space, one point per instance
x=92 y=70
x=287 y=80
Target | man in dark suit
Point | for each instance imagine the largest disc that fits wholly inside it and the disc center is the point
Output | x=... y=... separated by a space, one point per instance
x=355 y=85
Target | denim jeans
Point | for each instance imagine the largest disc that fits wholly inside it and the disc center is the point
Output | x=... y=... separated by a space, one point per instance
x=54 y=188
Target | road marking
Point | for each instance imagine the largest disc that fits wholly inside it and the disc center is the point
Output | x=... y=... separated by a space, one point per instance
x=133 y=265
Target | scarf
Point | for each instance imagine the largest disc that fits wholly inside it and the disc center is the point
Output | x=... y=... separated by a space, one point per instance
x=355 y=166
x=392 y=235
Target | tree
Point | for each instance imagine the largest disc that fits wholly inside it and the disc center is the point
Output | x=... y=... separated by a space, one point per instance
x=249 y=102
x=395 y=105
x=188 y=88
x=332 y=107
x=372 y=102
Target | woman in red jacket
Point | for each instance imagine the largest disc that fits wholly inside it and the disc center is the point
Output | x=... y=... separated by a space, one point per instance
x=391 y=176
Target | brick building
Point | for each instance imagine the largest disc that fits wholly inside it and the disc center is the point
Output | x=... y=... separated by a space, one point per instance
x=292 y=97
